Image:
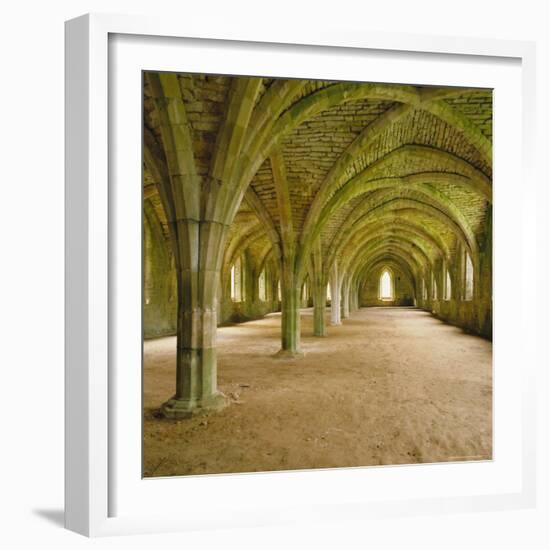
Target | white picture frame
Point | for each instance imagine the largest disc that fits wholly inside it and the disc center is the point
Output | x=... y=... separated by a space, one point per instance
x=100 y=500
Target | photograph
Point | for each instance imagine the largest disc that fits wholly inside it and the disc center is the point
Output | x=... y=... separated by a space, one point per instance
x=317 y=274
x=292 y=269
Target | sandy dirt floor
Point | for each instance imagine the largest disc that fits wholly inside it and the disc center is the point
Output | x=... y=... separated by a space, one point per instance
x=389 y=386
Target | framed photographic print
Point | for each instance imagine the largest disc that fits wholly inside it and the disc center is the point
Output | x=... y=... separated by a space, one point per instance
x=286 y=262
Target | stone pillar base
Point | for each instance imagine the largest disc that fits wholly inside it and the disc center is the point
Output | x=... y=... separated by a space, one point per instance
x=288 y=354
x=186 y=408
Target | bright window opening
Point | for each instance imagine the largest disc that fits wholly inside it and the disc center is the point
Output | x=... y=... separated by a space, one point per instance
x=424 y=290
x=236 y=281
x=434 y=288
x=386 y=286
x=469 y=279
x=261 y=287
x=279 y=290
x=447 y=285
x=328 y=293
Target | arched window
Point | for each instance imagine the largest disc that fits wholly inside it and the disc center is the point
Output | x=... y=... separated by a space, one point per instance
x=447 y=285
x=468 y=278
x=279 y=290
x=434 y=287
x=261 y=287
x=424 y=290
x=386 y=291
x=236 y=280
x=328 y=293
x=304 y=291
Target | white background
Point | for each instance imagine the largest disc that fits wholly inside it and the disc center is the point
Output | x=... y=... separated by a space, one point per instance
x=268 y=494
x=31 y=277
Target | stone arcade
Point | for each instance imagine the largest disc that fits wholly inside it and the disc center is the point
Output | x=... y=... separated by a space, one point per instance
x=274 y=195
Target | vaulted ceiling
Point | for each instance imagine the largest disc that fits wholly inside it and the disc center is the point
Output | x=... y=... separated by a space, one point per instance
x=365 y=171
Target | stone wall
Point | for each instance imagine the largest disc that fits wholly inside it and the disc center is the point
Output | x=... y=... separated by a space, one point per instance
x=159 y=279
x=475 y=315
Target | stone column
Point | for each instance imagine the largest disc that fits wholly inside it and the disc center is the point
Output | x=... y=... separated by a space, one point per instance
x=290 y=318
x=353 y=300
x=273 y=291
x=483 y=290
x=345 y=300
x=335 y=283
x=251 y=293
x=220 y=298
x=319 y=307
x=198 y=284
x=304 y=295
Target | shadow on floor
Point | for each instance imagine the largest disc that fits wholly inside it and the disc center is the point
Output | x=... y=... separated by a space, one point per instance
x=56 y=517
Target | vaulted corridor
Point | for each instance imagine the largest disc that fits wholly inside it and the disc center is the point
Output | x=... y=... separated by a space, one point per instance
x=388 y=386
x=284 y=220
